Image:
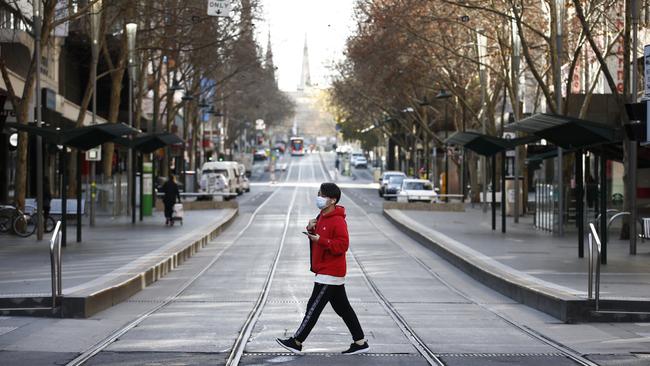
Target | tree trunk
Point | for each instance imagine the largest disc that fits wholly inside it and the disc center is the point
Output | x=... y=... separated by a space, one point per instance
x=117 y=76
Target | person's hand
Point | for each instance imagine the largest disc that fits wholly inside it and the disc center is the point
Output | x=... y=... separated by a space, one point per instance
x=313 y=237
x=311 y=225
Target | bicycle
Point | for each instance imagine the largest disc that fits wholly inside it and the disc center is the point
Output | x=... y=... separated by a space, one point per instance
x=21 y=223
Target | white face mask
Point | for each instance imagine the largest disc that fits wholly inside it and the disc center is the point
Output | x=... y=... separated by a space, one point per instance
x=321 y=202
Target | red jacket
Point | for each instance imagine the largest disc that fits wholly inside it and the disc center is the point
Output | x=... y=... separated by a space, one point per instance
x=328 y=254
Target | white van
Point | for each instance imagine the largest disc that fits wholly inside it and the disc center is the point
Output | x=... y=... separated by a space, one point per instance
x=228 y=169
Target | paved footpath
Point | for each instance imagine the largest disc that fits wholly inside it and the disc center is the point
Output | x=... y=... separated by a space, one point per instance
x=542 y=255
x=110 y=245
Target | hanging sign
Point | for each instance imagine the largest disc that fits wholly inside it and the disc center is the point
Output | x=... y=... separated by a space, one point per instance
x=219 y=8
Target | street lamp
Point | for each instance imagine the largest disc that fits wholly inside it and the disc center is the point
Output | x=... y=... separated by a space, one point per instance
x=481 y=47
x=444 y=94
x=131 y=30
x=39 y=141
x=95 y=20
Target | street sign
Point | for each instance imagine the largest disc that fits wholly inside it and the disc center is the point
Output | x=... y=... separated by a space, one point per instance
x=259 y=124
x=219 y=8
x=94 y=154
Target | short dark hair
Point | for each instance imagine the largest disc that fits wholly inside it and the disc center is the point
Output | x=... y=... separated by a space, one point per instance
x=330 y=190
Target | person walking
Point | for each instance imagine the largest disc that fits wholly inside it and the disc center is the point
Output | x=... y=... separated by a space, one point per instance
x=328 y=243
x=172 y=195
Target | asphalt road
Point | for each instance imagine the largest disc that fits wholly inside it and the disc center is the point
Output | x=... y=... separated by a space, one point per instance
x=395 y=285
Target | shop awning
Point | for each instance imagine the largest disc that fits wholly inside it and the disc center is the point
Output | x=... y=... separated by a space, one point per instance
x=148 y=143
x=567 y=132
x=485 y=144
x=83 y=138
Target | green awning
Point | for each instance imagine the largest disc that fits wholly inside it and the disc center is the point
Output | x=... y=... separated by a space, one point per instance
x=567 y=132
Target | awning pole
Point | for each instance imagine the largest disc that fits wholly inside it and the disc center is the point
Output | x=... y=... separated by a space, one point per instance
x=603 y=206
x=494 y=189
x=79 y=157
x=580 y=204
x=503 y=192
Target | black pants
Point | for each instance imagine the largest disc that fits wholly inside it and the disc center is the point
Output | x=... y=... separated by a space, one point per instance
x=336 y=296
x=169 y=209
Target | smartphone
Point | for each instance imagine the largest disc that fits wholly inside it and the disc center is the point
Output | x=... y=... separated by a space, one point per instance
x=306 y=233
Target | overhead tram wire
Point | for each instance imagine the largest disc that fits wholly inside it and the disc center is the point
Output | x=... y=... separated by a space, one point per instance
x=103 y=344
x=564 y=350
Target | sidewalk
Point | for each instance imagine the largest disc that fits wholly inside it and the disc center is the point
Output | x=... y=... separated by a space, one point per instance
x=111 y=254
x=537 y=261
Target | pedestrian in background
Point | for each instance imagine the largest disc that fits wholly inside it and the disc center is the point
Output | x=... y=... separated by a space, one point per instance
x=328 y=244
x=172 y=195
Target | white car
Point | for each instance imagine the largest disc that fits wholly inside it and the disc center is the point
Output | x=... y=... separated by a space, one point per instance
x=417 y=190
x=358 y=160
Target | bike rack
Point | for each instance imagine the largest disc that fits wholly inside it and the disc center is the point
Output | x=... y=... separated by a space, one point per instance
x=55 y=263
x=593 y=236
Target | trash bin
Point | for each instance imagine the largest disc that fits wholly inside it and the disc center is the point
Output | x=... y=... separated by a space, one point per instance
x=510 y=194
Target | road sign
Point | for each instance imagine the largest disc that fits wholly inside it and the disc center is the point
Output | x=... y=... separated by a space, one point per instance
x=219 y=8
x=94 y=154
x=259 y=124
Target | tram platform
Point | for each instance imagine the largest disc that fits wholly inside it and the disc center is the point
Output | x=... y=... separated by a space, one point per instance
x=535 y=267
x=115 y=260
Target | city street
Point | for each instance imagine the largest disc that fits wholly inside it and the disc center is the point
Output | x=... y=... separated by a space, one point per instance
x=250 y=285
x=191 y=182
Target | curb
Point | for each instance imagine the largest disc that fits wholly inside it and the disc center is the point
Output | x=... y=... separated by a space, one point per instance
x=562 y=306
x=531 y=292
x=86 y=302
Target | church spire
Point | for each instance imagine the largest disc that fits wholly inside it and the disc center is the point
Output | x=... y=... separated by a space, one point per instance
x=305 y=77
x=268 y=59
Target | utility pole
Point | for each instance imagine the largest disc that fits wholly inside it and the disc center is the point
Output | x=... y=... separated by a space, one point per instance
x=481 y=43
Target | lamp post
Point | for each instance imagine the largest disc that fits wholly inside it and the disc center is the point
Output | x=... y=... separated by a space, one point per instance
x=443 y=94
x=39 y=140
x=131 y=30
x=481 y=43
x=95 y=20
x=559 y=15
x=516 y=56
x=187 y=99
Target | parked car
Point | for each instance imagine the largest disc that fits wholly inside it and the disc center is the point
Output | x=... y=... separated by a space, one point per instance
x=413 y=190
x=245 y=183
x=383 y=180
x=394 y=186
x=260 y=155
x=358 y=160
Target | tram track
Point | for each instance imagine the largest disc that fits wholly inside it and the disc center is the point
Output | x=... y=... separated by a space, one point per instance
x=92 y=351
x=432 y=357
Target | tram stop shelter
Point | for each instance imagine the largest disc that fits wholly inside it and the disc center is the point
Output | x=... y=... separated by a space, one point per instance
x=490 y=146
x=577 y=136
x=146 y=144
x=80 y=138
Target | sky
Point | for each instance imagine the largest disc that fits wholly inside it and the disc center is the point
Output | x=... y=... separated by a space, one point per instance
x=326 y=23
